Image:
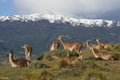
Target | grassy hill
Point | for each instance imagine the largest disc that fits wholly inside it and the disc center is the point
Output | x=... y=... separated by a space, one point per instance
x=50 y=69
x=84 y=70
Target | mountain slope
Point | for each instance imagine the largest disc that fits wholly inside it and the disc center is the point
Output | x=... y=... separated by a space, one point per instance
x=42 y=32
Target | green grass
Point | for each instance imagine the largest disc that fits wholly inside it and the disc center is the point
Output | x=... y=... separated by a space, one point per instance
x=99 y=70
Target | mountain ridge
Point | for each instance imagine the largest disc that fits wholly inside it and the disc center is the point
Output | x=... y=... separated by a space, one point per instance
x=62 y=19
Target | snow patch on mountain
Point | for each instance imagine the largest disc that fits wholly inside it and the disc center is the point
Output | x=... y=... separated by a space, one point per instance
x=61 y=19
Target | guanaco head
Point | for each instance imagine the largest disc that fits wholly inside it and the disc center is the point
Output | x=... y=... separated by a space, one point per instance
x=10 y=52
x=97 y=40
x=60 y=38
x=87 y=41
x=24 y=46
x=27 y=47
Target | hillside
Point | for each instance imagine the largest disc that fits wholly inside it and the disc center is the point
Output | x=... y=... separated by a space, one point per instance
x=39 y=31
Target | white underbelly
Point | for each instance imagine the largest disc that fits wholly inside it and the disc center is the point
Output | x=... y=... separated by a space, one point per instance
x=71 y=49
x=105 y=57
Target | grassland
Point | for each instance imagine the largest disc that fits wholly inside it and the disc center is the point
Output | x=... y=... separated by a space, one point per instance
x=49 y=69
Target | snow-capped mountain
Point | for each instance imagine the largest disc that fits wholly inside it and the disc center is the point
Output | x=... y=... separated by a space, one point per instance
x=61 y=19
x=40 y=30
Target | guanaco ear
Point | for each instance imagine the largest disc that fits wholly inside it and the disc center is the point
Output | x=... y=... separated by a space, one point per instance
x=10 y=51
x=61 y=36
x=97 y=38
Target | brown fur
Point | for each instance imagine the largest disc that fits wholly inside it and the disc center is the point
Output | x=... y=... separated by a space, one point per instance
x=104 y=45
x=18 y=62
x=104 y=56
x=54 y=46
x=88 y=45
x=69 y=60
x=98 y=46
x=28 y=51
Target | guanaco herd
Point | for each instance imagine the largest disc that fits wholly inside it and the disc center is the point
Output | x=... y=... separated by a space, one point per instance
x=69 y=47
x=21 y=62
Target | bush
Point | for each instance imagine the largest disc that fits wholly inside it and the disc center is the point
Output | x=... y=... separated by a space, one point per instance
x=63 y=64
x=38 y=65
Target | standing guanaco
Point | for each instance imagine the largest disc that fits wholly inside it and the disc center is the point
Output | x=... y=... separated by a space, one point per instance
x=28 y=51
x=71 y=46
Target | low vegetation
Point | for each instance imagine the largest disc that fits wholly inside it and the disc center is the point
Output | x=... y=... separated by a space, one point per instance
x=47 y=68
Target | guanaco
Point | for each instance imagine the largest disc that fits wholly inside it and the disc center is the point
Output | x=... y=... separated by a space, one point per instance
x=67 y=59
x=71 y=46
x=54 y=46
x=88 y=45
x=28 y=51
x=104 y=45
x=104 y=56
x=17 y=62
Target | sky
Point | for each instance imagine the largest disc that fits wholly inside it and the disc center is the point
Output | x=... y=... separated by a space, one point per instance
x=108 y=9
x=6 y=7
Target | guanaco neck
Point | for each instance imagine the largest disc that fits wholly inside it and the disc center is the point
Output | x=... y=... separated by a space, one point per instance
x=87 y=43
x=93 y=51
x=98 y=41
x=11 y=57
x=62 y=41
x=56 y=57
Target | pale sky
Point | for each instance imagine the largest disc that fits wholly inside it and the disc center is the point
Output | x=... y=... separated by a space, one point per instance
x=75 y=8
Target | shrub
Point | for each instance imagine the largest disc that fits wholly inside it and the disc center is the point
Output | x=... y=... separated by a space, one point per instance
x=39 y=65
x=63 y=64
